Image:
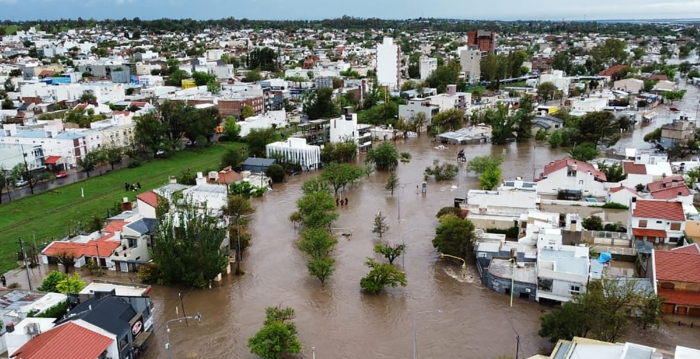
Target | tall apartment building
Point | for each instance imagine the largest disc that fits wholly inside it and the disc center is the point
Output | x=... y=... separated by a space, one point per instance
x=470 y=59
x=484 y=40
x=388 y=64
x=427 y=66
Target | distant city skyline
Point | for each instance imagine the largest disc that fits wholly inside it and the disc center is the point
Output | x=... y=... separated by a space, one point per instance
x=21 y=10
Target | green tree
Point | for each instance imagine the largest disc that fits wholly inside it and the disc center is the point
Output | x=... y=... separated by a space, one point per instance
x=444 y=75
x=524 y=117
x=653 y=136
x=202 y=78
x=278 y=336
x=613 y=173
x=113 y=155
x=320 y=104
x=441 y=171
x=490 y=179
x=584 y=152
x=22 y=171
x=341 y=152
x=51 y=282
x=187 y=247
x=390 y=252
x=7 y=104
x=316 y=210
x=684 y=67
x=449 y=210
x=247 y=111
x=90 y=160
x=599 y=127
x=384 y=156
x=214 y=87
x=340 y=175
x=481 y=164
x=392 y=182
x=546 y=90
x=233 y=157
x=70 y=284
x=232 y=130
x=694 y=73
x=317 y=242
x=455 y=236
x=379 y=225
x=258 y=138
x=449 y=120
x=321 y=267
x=276 y=173
x=252 y=76
x=380 y=276
x=592 y=223
x=603 y=312
x=175 y=78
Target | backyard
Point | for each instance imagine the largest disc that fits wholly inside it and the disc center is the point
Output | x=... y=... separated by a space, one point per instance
x=50 y=215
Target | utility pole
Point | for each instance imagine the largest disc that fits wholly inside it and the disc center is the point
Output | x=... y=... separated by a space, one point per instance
x=182 y=304
x=26 y=264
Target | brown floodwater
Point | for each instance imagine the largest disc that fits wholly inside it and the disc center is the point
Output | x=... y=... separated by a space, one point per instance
x=342 y=322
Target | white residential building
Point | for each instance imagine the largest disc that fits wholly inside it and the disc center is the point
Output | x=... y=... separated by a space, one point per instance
x=117 y=131
x=470 y=59
x=346 y=127
x=419 y=105
x=582 y=105
x=656 y=221
x=427 y=66
x=54 y=141
x=388 y=64
x=557 y=78
x=265 y=120
x=297 y=151
x=103 y=91
x=569 y=174
x=501 y=208
x=452 y=99
x=562 y=270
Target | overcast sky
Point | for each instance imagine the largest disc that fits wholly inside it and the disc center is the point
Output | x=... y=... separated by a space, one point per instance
x=321 y=9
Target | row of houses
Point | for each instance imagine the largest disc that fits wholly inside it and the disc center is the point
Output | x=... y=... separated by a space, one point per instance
x=104 y=320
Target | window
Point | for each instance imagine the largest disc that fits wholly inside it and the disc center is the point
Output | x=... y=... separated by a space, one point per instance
x=580 y=182
x=642 y=223
x=675 y=226
x=132 y=242
x=482 y=255
x=575 y=289
x=659 y=222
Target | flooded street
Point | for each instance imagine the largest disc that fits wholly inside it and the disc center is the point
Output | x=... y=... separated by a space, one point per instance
x=342 y=322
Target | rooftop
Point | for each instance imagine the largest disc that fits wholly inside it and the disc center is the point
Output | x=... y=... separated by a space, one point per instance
x=524 y=272
x=564 y=261
x=580 y=166
x=121 y=290
x=71 y=340
x=677 y=266
x=669 y=210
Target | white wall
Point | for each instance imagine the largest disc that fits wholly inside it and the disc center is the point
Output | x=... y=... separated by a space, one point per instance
x=388 y=63
x=661 y=224
x=427 y=66
x=583 y=181
x=145 y=209
x=263 y=121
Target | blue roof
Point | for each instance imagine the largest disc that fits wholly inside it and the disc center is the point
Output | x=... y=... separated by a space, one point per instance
x=30 y=134
x=256 y=161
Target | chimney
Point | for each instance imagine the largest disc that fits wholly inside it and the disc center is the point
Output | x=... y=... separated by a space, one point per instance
x=633 y=203
x=680 y=194
x=117 y=235
x=173 y=179
x=126 y=204
x=674 y=183
x=200 y=180
x=451 y=90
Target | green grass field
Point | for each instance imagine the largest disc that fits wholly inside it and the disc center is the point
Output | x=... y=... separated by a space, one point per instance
x=51 y=214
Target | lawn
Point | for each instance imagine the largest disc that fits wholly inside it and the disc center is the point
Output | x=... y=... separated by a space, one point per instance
x=51 y=214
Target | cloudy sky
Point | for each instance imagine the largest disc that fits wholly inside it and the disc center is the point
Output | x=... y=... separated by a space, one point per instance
x=320 y=9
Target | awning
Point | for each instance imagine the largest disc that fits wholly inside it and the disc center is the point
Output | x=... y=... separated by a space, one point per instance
x=141 y=339
x=52 y=160
x=649 y=233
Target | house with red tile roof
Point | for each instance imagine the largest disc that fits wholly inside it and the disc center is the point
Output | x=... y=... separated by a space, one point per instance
x=656 y=221
x=677 y=274
x=621 y=194
x=147 y=203
x=77 y=339
x=98 y=246
x=570 y=174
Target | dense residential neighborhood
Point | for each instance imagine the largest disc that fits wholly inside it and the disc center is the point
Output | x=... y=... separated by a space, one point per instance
x=523 y=186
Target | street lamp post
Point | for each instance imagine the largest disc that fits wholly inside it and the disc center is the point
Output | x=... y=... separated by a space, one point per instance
x=403 y=242
x=167 y=330
x=415 y=348
x=464 y=263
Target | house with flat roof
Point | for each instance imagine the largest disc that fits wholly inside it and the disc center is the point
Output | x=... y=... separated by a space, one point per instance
x=589 y=348
x=562 y=271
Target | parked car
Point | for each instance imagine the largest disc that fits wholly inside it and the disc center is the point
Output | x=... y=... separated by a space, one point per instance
x=21 y=183
x=61 y=174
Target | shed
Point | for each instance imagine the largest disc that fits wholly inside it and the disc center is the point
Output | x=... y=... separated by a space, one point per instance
x=257 y=165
